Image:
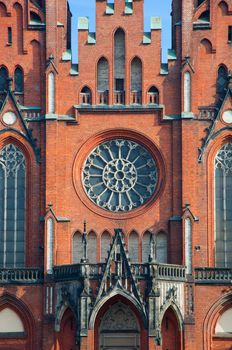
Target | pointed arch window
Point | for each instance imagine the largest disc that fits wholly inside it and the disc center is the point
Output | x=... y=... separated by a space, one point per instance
x=221 y=83
x=12 y=207
x=77 y=248
x=134 y=247
x=105 y=245
x=119 y=66
x=136 y=81
x=19 y=80
x=103 y=80
x=92 y=247
x=223 y=206
x=146 y=246
x=3 y=79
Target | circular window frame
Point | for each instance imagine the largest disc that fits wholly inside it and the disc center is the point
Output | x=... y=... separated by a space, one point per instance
x=222 y=117
x=85 y=150
x=9 y=125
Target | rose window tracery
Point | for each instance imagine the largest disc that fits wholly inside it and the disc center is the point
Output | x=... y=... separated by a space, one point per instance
x=120 y=175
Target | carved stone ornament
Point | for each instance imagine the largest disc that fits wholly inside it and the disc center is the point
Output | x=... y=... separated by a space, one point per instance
x=120 y=175
x=119 y=318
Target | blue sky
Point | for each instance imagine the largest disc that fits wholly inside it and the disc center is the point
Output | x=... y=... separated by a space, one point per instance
x=160 y=8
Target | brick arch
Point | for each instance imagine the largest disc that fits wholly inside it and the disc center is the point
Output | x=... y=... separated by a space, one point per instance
x=21 y=309
x=172 y=328
x=3 y=10
x=212 y=316
x=223 y=7
x=110 y=300
x=206 y=46
x=68 y=330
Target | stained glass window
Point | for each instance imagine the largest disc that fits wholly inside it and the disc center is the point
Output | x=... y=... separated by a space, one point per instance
x=120 y=175
x=12 y=206
x=223 y=206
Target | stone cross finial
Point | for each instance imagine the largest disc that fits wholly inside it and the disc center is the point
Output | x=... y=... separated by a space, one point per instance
x=84 y=244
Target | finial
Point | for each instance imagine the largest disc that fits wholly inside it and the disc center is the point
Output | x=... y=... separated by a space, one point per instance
x=84 y=244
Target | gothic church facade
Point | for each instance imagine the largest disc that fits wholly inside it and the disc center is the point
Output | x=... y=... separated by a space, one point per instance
x=115 y=178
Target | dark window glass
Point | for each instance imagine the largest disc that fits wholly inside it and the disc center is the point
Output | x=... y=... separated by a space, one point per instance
x=230 y=33
x=9 y=35
x=3 y=79
x=223 y=206
x=18 y=78
x=12 y=204
x=222 y=83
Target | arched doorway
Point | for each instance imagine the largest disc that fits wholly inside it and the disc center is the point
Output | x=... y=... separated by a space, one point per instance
x=119 y=329
x=171 y=334
x=68 y=331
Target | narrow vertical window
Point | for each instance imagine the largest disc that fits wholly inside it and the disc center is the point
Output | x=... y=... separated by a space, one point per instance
x=146 y=247
x=3 y=79
x=9 y=36
x=103 y=80
x=230 y=34
x=12 y=207
x=19 y=80
x=136 y=81
x=188 y=245
x=105 y=245
x=161 y=248
x=50 y=245
x=222 y=82
x=92 y=247
x=134 y=247
x=77 y=248
x=187 y=92
x=223 y=206
x=51 y=92
x=119 y=66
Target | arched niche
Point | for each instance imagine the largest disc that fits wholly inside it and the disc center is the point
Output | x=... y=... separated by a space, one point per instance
x=170 y=331
x=136 y=81
x=119 y=328
x=146 y=247
x=68 y=331
x=105 y=245
x=92 y=247
x=223 y=7
x=77 y=251
x=134 y=247
x=153 y=95
x=206 y=46
x=3 y=10
x=86 y=96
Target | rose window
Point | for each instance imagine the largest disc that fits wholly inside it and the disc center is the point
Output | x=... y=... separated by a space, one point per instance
x=120 y=175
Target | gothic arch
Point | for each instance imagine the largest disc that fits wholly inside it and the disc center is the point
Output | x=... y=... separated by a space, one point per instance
x=206 y=45
x=223 y=7
x=3 y=10
x=219 y=140
x=171 y=305
x=60 y=313
x=171 y=328
x=21 y=309
x=113 y=299
x=118 y=294
x=212 y=316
